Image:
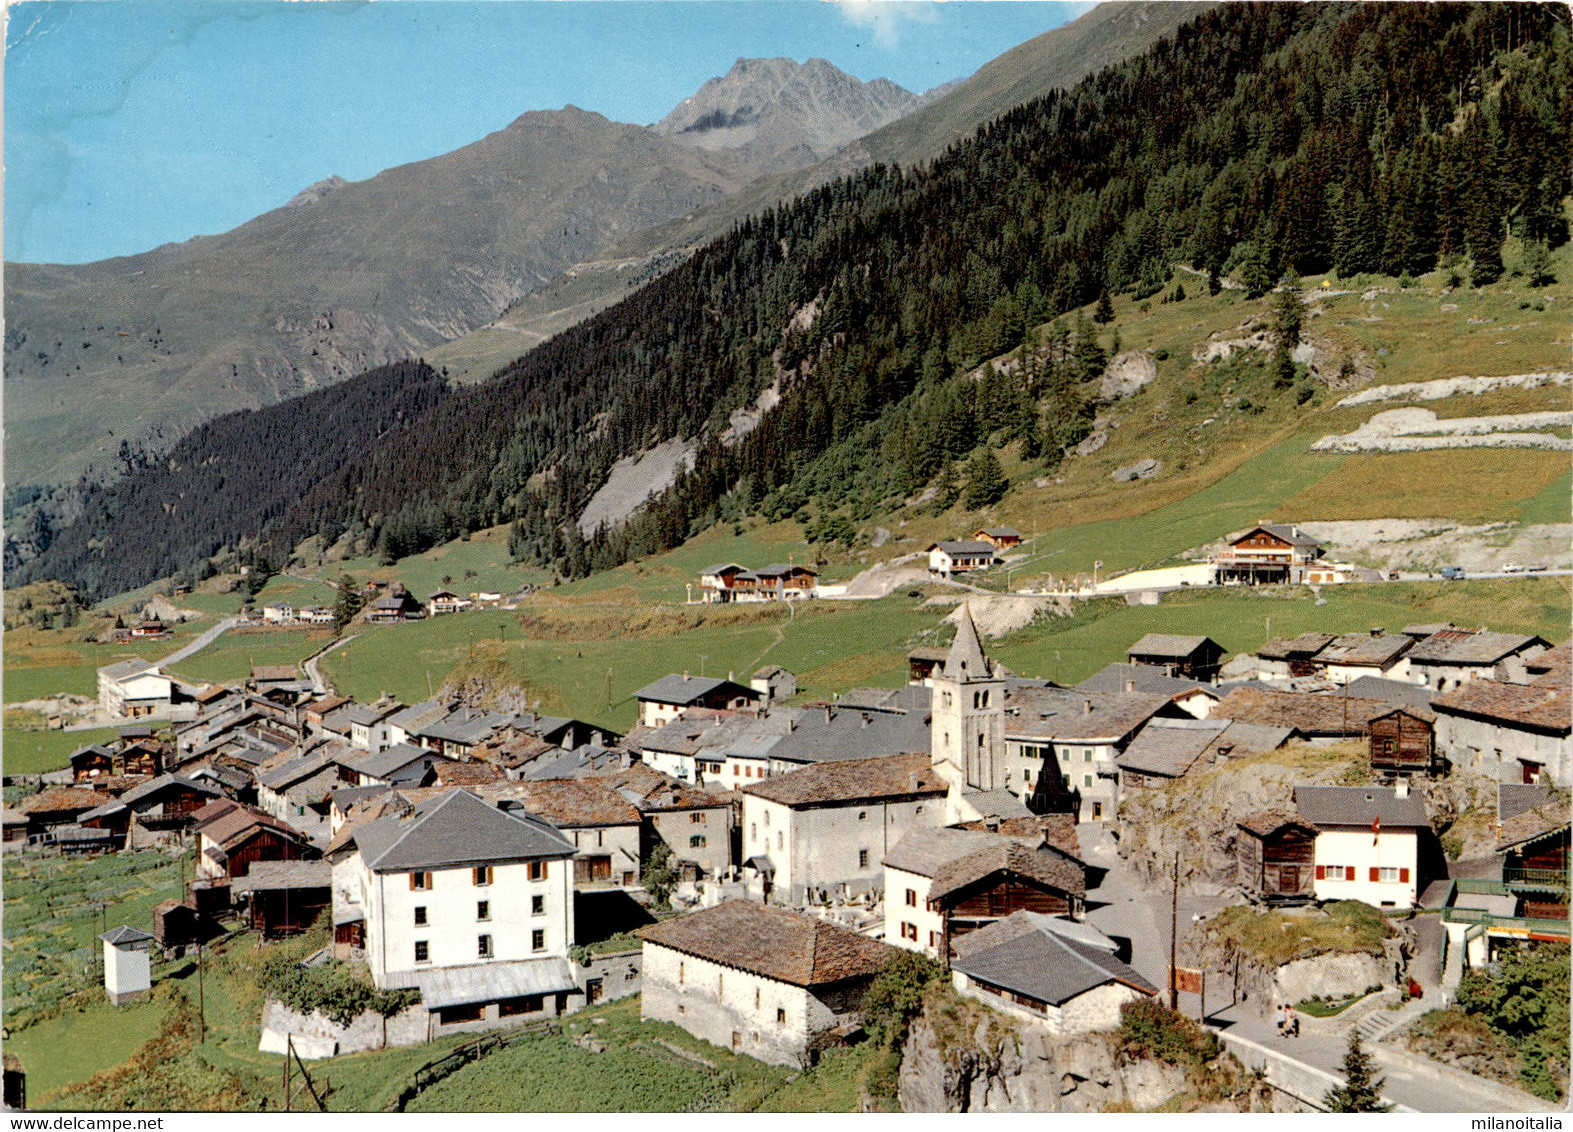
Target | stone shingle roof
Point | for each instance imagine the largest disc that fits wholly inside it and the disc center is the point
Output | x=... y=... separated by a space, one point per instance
x=1058 y=830
x=125 y=934
x=1303 y=647
x=1169 y=747
x=1377 y=650
x=652 y=791
x=1071 y=715
x=1169 y=645
x=1533 y=824
x=568 y=802
x=1268 y=821
x=854 y=780
x=1360 y=806
x=1147 y=678
x=773 y=942
x=125 y=668
x=456 y=828
x=225 y=822
x=966 y=547
x=1306 y=712
x=1397 y=692
x=274 y=672
x=1472 y=648
x=64 y=799
x=272 y=876
x=966 y=659
x=1545 y=707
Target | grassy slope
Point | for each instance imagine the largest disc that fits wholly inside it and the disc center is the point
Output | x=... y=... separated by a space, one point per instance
x=232 y=655
x=35 y=752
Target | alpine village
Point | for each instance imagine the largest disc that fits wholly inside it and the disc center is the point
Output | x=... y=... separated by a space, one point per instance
x=1056 y=600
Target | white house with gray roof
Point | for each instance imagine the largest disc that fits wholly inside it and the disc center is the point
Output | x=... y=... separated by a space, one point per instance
x=134 y=688
x=667 y=698
x=1367 y=842
x=468 y=901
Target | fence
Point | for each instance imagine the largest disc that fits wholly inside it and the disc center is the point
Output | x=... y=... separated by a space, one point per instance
x=433 y=1071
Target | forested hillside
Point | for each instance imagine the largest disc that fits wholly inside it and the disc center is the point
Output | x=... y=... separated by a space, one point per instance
x=1258 y=140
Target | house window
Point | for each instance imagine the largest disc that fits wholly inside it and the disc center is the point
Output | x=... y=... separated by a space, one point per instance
x=767 y=819
x=780 y=840
x=934 y=941
x=420 y=881
x=537 y=870
x=538 y=939
x=483 y=909
x=780 y=1016
x=682 y=973
x=1086 y=754
x=483 y=946
x=756 y=998
x=422 y=951
x=696 y=818
x=483 y=874
x=862 y=815
x=697 y=841
x=909 y=931
x=862 y=858
x=420 y=915
x=537 y=905
x=753 y=832
x=1086 y=780
x=919 y=809
x=912 y=898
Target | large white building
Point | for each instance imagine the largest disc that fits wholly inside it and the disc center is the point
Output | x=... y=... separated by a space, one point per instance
x=1367 y=842
x=471 y=903
x=133 y=688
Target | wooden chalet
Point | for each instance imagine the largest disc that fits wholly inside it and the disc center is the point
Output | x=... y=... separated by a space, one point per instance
x=1267 y=553
x=1275 y=857
x=1403 y=741
x=1001 y=538
x=1534 y=841
x=284 y=898
x=177 y=924
x=1197 y=658
x=92 y=762
x=233 y=836
x=922 y=661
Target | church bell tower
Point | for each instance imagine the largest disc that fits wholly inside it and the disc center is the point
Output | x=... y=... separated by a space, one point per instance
x=968 y=711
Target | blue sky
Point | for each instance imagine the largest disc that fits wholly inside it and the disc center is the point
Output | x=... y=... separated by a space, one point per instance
x=129 y=123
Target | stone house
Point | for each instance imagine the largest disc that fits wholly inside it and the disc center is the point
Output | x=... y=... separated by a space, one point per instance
x=960 y=557
x=758 y=980
x=826 y=828
x=1513 y=732
x=671 y=696
x=1196 y=658
x=940 y=884
x=1450 y=658
x=1055 y=973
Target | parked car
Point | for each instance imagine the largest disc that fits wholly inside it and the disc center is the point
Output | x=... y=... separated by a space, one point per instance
x=1452 y=572
x=1540 y=569
x=1512 y=568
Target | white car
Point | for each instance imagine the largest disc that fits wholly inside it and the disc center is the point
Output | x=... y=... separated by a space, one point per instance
x=1512 y=568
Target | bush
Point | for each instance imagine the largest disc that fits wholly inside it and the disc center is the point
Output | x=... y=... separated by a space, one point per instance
x=896 y=995
x=334 y=990
x=1148 y=1029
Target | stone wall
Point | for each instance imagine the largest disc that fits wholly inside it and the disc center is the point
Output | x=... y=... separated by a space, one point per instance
x=316 y=1036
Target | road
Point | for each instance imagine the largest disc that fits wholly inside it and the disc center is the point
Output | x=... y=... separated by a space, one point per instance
x=199 y=643
x=319 y=685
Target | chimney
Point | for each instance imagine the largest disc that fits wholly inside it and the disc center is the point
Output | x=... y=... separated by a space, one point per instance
x=1130 y=685
x=731 y=674
x=1401 y=787
x=1378 y=630
x=829 y=715
x=1086 y=707
x=685 y=675
x=866 y=718
x=992 y=823
x=912 y=782
x=792 y=723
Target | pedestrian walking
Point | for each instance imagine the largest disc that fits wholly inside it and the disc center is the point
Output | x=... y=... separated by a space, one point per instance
x=1291 y=1022
x=1282 y=1007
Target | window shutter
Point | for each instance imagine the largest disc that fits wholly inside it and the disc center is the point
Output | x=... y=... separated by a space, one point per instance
x=1403 y=876
x=1321 y=872
x=1376 y=873
x=1349 y=872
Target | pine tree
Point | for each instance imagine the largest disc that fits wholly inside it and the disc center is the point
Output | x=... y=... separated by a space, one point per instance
x=1536 y=264
x=986 y=482
x=348 y=604
x=1288 y=313
x=1362 y=1089
x=1105 y=312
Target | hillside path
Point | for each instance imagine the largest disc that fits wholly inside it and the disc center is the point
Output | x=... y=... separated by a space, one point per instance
x=319 y=684
x=199 y=643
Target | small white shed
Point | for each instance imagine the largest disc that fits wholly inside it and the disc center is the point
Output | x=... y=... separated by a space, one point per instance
x=128 y=970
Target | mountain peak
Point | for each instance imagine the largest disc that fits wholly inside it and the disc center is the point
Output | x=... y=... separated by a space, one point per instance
x=778 y=105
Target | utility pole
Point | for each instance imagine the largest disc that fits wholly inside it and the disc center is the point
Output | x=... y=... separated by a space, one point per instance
x=202 y=1002
x=1174 y=937
x=608 y=688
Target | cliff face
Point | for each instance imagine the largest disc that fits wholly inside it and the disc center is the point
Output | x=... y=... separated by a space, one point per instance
x=973 y=1060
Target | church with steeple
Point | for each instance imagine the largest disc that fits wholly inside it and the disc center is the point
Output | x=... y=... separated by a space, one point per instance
x=967 y=733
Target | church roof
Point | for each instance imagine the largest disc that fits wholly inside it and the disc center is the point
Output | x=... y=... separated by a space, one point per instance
x=966 y=660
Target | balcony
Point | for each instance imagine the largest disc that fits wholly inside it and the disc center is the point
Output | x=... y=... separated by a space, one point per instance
x=1535 y=880
x=1522 y=927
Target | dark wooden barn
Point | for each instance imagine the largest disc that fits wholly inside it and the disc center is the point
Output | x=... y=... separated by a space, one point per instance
x=1275 y=858
x=1403 y=741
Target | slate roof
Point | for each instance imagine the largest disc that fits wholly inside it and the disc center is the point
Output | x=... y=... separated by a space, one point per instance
x=287 y=773
x=1474 y=648
x=1169 y=747
x=465 y=726
x=1545 y=707
x=1290 y=533
x=456 y=828
x=996 y=803
x=125 y=668
x=1147 y=678
x=125 y=934
x=1397 y=692
x=1169 y=645
x=1360 y=806
x=1378 y=650
x=93 y=749
x=1058 y=830
x=1515 y=798
x=415 y=716
x=1021 y=922
x=685 y=690
x=488 y=982
x=163 y=782
x=772 y=942
x=369 y=714
x=1306 y=712
x=1554 y=666
x=1048 y=967
x=1001 y=532
x=720 y=568
x=391 y=760
x=855 y=780
x=967 y=546
x=224 y=827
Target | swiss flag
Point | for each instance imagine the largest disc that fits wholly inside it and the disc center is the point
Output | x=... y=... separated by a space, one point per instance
x=1376 y=829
